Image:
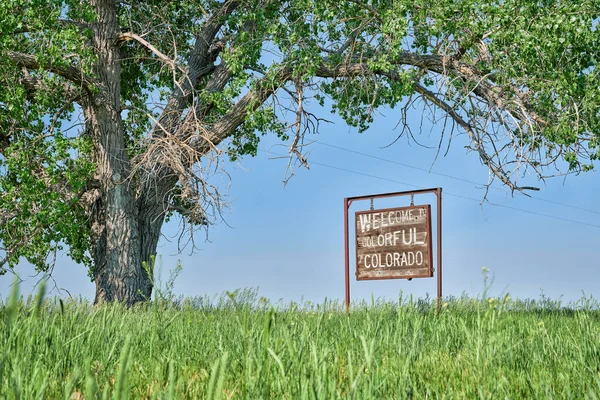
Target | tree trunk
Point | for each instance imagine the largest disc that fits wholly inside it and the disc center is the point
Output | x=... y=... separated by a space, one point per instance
x=119 y=252
x=123 y=234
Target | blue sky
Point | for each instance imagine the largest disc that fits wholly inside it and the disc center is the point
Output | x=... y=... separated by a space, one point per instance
x=288 y=241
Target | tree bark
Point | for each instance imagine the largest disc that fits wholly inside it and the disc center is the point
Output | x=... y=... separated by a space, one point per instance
x=120 y=240
x=120 y=250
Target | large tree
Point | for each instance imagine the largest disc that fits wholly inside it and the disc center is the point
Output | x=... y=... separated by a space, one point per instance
x=112 y=113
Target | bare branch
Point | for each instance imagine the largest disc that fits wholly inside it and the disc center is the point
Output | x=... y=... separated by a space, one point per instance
x=479 y=147
x=132 y=36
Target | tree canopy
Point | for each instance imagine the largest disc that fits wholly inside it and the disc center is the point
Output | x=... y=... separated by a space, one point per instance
x=113 y=113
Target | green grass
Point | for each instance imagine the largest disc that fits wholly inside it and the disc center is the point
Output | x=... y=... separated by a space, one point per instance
x=240 y=346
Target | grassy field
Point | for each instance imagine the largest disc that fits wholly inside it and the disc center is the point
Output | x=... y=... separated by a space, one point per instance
x=240 y=346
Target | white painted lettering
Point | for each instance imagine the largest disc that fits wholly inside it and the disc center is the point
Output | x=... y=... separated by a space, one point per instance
x=410 y=239
x=388 y=239
x=376 y=260
x=419 y=258
x=365 y=222
x=389 y=260
x=383 y=221
x=415 y=237
x=376 y=222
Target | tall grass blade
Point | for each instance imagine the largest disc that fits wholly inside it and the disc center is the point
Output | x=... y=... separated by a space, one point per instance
x=39 y=298
x=217 y=378
x=121 y=381
x=13 y=305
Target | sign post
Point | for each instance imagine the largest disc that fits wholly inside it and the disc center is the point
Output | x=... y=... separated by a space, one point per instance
x=394 y=243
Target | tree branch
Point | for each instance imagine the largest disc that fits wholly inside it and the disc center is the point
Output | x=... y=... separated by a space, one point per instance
x=34 y=84
x=251 y=101
x=479 y=147
x=200 y=63
x=445 y=66
x=132 y=36
x=70 y=72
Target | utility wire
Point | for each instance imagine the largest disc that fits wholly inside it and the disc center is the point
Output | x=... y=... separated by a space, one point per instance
x=451 y=176
x=445 y=192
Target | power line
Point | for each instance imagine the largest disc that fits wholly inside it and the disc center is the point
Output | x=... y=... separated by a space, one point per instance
x=445 y=192
x=451 y=176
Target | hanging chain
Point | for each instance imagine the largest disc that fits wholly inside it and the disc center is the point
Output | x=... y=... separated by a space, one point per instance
x=372 y=204
x=412 y=199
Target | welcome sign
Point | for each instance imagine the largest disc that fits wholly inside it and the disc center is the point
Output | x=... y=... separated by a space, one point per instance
x=394 y=243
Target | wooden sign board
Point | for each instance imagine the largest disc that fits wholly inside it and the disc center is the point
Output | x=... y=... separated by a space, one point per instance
x=394 y=243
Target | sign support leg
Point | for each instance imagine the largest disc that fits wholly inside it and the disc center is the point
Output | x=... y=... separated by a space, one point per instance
x=439 y=248
x=346 y=251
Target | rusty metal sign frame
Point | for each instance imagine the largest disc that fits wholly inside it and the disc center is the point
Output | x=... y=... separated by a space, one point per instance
x=438 y=270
